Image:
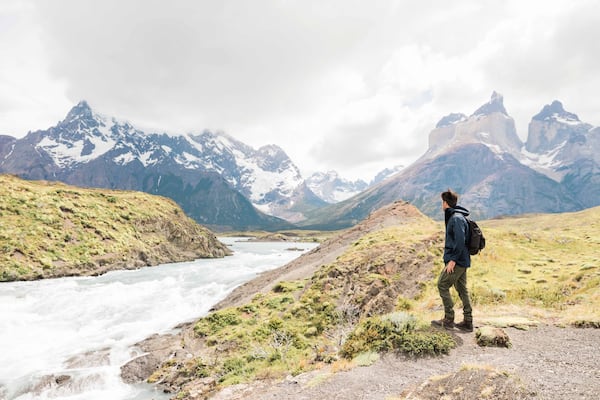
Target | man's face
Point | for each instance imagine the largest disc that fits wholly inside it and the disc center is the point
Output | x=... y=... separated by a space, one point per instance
x=444 y=205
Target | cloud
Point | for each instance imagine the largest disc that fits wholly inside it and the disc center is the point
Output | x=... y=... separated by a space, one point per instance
x=223 y=61
x=27 y=93
x=545 y=55
x=345 y=85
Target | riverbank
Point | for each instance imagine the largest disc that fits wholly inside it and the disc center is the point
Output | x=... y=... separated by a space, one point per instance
x=89 y=324
x=556 y=293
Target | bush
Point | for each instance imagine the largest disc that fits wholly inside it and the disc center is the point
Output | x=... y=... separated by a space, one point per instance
x=402 y=321
x=395 y=332
x=216 y=321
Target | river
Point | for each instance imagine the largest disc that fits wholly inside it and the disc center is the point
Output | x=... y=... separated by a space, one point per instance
x=67 y=338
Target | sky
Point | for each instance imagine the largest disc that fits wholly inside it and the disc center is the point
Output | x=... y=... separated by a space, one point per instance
x=345 y=85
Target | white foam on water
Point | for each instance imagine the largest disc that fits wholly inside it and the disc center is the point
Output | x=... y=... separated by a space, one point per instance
x=67 y=338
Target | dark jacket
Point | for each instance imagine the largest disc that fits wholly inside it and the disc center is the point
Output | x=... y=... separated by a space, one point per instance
x=457 y=231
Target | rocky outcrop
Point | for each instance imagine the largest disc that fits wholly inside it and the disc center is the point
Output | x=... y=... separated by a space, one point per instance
x=551 y=127
x=487 y=336
x=489 y=124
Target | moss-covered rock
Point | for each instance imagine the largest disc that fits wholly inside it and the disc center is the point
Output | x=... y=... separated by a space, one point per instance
x=490 y=336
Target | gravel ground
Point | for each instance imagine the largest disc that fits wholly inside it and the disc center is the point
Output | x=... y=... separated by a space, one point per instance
x=551 y=363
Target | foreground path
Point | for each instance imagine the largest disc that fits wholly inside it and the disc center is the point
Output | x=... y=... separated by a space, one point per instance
x=552 y=362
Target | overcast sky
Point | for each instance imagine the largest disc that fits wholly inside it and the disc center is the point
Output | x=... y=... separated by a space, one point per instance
x=354 y=86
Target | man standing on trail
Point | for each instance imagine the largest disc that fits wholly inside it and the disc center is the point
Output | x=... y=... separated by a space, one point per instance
x=457 y=260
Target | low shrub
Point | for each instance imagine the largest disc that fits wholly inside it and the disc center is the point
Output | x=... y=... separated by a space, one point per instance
x=395 y=332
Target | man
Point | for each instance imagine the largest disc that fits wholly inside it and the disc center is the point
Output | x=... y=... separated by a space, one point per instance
x=457 y=260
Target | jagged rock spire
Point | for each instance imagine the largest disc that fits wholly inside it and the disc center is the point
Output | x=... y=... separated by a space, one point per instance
x=82 y=109
x=496 y=104
x=555 y=109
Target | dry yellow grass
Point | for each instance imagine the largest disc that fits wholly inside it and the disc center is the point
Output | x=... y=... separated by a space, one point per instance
x=540 y=267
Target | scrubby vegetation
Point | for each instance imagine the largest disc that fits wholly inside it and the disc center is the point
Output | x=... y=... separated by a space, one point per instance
x=357 y=305
x=51 y=229
x=380 y=294
x=397 y=332
x=295 y=328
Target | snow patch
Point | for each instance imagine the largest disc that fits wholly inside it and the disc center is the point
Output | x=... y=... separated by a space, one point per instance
x=546 y=160
x=262 y=182
x=146 y=158
x=67 y=154
x=12 y=148
x=124 y=159
x=341 y=195
x=546 y=163
x=496 y=149
x=566 y=120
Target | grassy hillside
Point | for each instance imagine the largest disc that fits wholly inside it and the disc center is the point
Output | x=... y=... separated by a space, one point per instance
x=51 y=229
x=380 y=294
x=541 y=266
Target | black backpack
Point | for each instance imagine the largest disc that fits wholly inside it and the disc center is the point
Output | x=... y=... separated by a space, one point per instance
x=475 y=239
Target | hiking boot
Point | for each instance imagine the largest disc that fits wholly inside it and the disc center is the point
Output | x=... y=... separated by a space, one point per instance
x=444 y=323
x=466 y=326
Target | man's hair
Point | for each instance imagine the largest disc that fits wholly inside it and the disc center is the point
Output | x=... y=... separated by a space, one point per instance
x=450 y=197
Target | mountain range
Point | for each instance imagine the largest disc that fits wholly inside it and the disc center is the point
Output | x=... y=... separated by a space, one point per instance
x=481 y=157
x=91 y=150
x=218 y=180
x=226 y=184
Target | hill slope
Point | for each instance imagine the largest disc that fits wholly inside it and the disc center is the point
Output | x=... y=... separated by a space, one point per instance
x=50 y=230
x=342 y=296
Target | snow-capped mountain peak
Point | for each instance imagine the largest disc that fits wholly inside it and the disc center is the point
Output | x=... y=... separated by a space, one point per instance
x=557 y=138
x=385 y=174
x=267 y=176
x=81 y=137
x=330 y=187
x=556 y=112
x=81 y=111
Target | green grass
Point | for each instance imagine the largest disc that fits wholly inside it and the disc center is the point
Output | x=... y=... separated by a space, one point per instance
x=380 y=294
x=51 y=229
x=302 y=325
x=541 y=265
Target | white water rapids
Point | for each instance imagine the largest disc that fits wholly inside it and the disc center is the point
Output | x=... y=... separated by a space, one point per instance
x=67 y=338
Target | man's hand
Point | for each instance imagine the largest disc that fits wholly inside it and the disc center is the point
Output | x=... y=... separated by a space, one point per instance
x=450 y=266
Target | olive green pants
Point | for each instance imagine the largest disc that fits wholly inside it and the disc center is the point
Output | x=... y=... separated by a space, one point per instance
x=458 y=279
